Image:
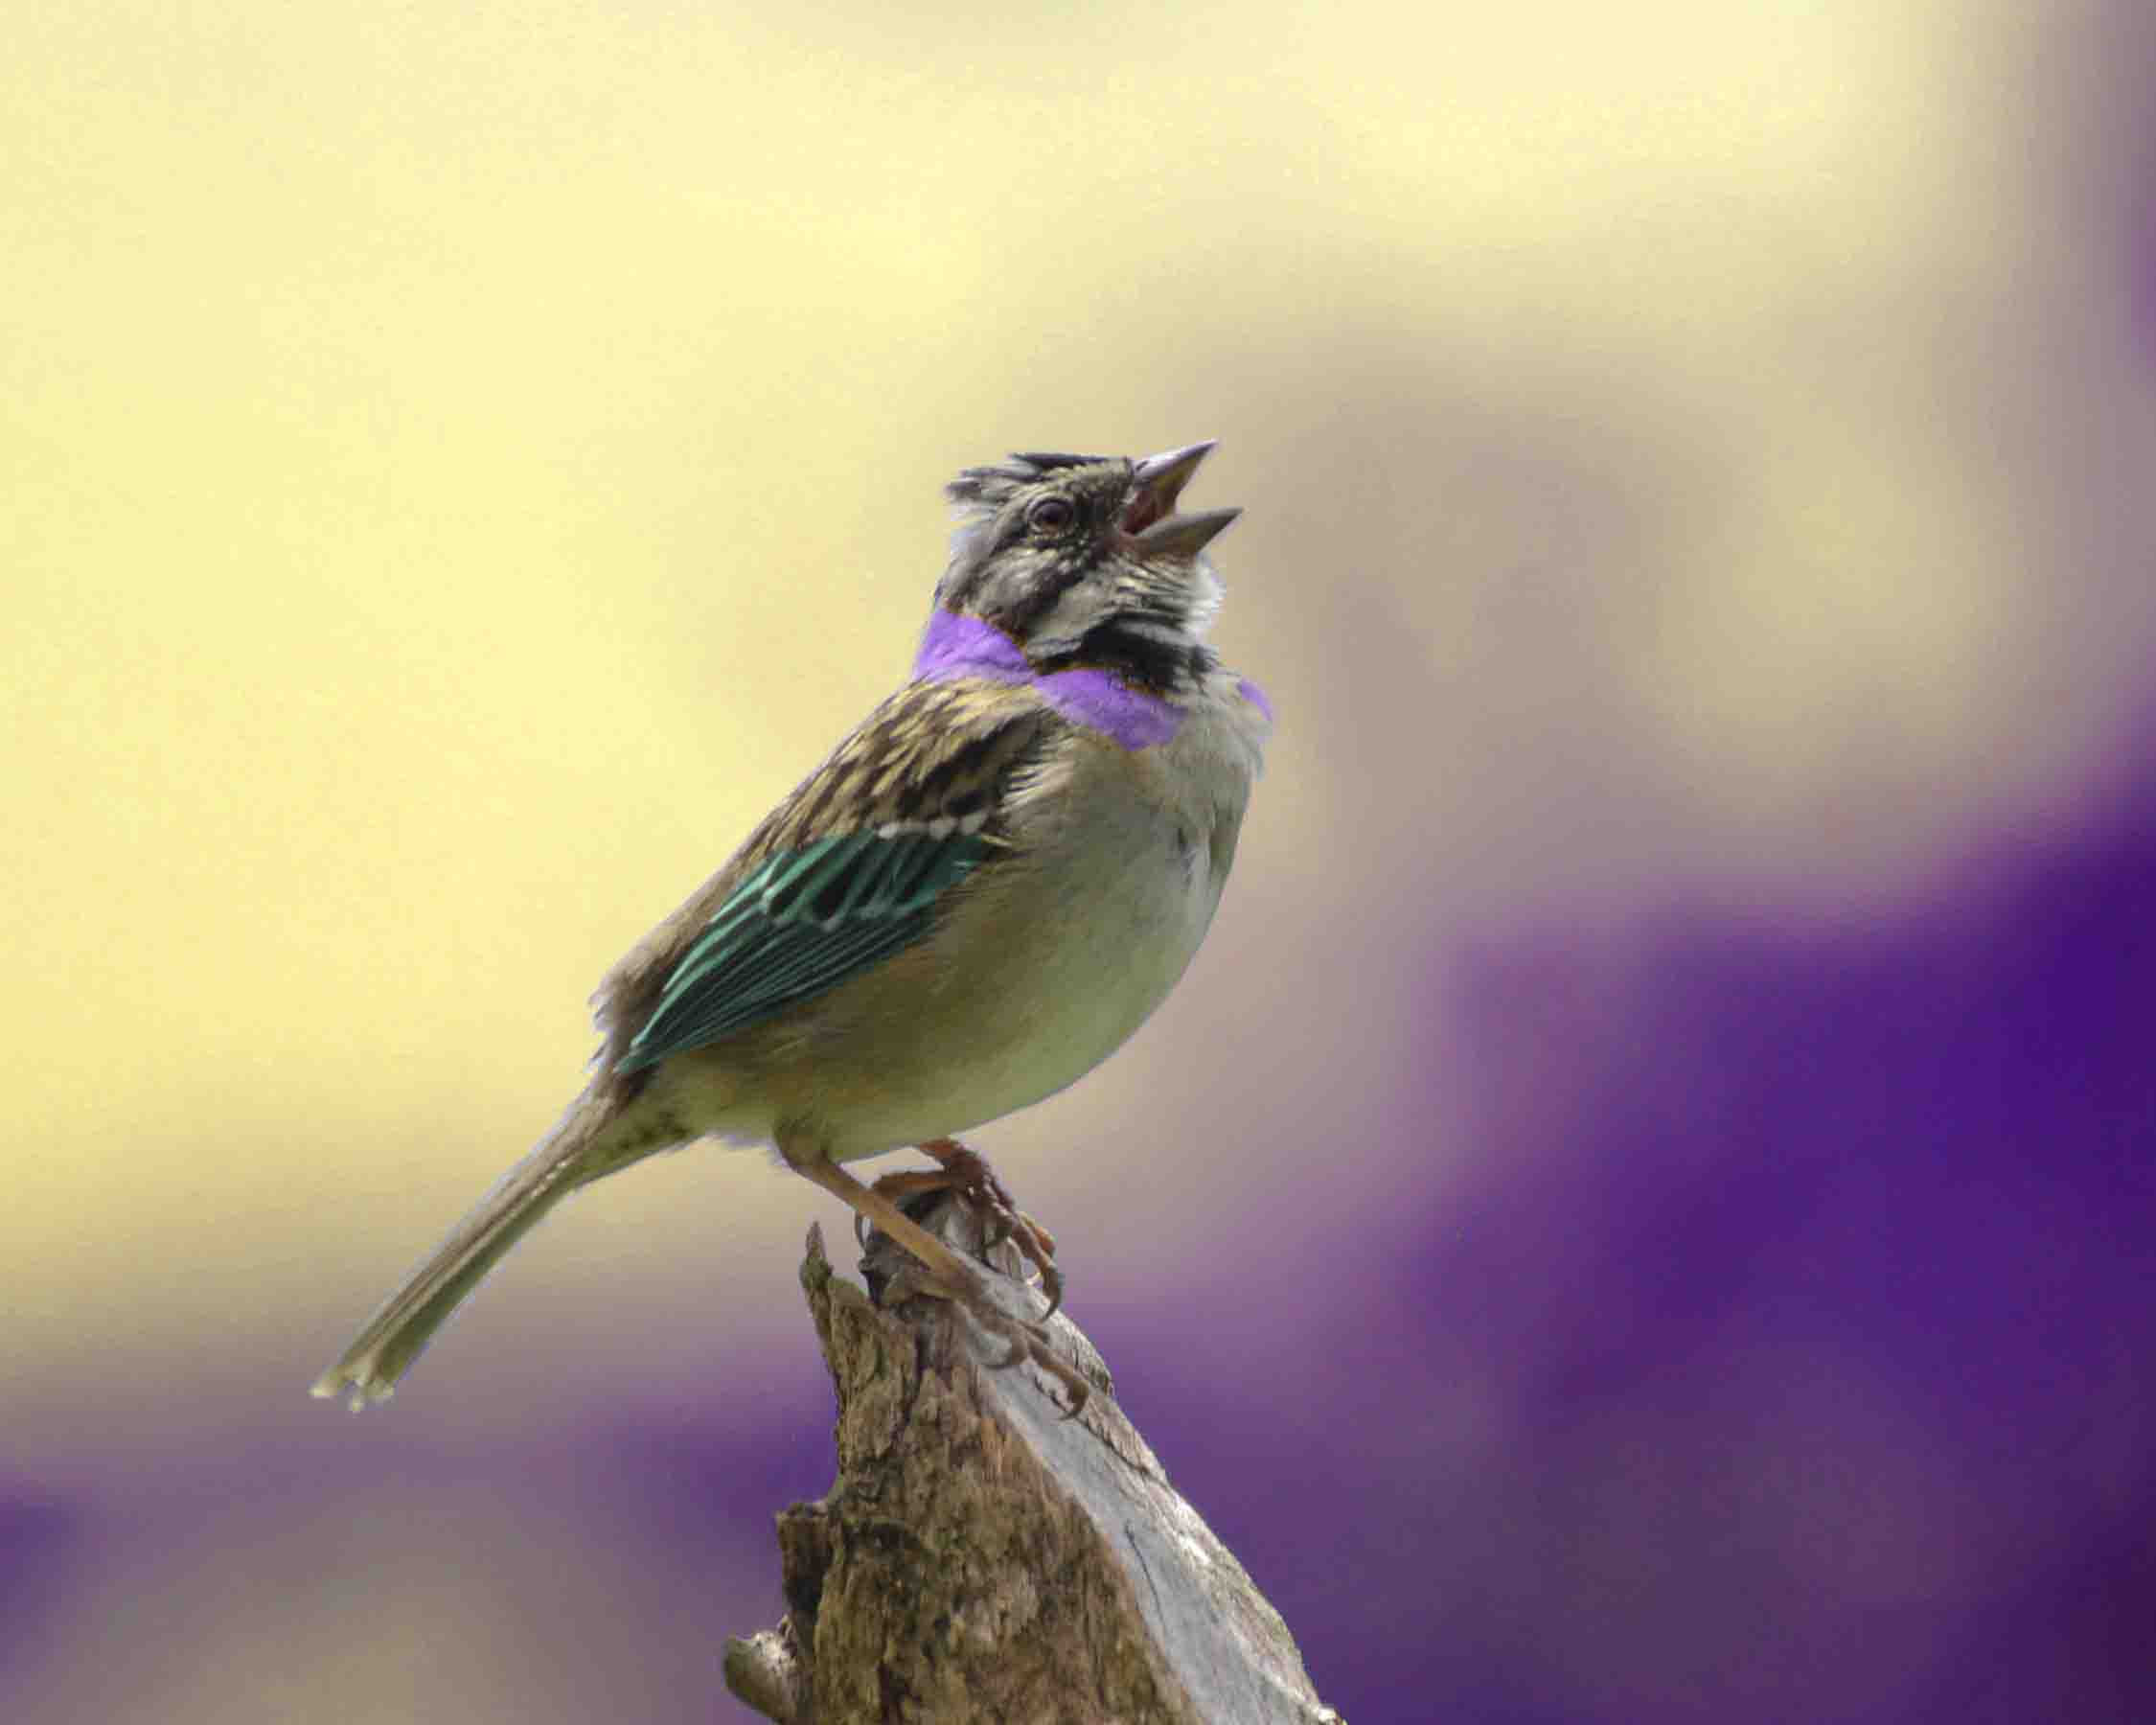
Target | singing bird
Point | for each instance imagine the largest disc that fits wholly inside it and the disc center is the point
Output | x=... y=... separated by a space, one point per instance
x=976 y=900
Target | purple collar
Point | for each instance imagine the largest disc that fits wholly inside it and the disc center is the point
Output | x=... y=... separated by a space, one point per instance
x=955 y=646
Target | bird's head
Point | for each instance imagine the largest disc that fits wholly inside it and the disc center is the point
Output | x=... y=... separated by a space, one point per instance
x=1083 y=561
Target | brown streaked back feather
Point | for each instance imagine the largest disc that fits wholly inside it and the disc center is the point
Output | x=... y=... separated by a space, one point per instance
x=933 y=752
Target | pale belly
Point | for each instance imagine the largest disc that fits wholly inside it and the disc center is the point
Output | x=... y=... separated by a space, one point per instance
x=1127 y=921
x=1028 y=991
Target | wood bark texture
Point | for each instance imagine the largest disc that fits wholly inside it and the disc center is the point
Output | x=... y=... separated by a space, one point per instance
x=982 y=1558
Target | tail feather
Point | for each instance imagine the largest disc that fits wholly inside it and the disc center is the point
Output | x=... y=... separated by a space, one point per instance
x=564 y=1159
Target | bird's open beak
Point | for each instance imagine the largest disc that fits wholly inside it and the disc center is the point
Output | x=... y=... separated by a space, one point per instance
x=1150 y=521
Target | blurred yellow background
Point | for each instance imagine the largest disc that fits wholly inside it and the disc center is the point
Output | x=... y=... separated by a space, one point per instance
x=461 y=464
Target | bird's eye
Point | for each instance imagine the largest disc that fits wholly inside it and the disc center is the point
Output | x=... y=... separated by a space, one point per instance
x=1051 y=514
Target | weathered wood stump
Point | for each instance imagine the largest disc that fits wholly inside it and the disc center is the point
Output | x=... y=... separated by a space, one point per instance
x=981 y=1557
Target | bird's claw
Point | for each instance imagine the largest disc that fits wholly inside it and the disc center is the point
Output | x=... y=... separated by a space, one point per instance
x=1023 y=1341
x=966 y=1172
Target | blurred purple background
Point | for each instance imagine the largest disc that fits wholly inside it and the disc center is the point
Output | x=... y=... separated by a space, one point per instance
x=1811 y=1301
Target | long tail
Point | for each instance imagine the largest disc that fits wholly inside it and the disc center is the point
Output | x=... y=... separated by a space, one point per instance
x=562 y=1161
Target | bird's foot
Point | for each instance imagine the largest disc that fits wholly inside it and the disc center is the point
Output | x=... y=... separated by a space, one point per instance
x=1023 y=1341
x=967 y=1173
x=935 y=1269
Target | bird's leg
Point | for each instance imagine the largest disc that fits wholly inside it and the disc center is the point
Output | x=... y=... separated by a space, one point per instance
x=944 y=1275
x=966 y=1172
x=976 y=1182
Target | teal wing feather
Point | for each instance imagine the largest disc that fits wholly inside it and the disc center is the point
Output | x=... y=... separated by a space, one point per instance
x=802 y=924
x=852 y=868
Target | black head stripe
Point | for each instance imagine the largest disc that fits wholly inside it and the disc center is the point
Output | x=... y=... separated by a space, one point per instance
x=988 y=488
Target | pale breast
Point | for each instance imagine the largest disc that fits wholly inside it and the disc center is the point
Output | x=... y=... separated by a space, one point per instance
x=1124 y=860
